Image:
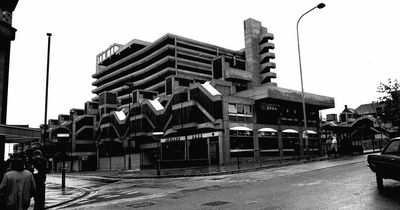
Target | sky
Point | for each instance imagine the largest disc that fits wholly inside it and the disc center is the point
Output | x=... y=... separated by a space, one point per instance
x=347 y=48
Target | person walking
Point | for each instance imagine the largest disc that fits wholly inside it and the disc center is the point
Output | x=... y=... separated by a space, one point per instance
x=334 y=147
x=39 y=173
x=17 y=187
x=328 y=144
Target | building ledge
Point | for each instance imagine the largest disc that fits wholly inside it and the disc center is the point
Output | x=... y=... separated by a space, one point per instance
x=232 y=73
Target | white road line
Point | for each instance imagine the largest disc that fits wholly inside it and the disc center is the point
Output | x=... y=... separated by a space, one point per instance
x=157 y=195
x=132 y=192
x=108 y=196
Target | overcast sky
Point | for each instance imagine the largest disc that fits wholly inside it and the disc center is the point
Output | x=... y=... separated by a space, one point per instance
x=348 y=47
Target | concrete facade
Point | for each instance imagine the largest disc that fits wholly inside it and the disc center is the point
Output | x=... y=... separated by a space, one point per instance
x=224 y=125
x=181 y=102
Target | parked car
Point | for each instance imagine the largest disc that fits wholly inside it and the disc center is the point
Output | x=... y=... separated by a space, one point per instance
x=387 y=164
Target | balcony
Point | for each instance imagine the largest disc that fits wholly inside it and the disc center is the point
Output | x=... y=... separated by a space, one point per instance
x=267 y=46
x=266 y=56
x=266 y=67
x=266 y=77
x=231 y=73
x=266 y=37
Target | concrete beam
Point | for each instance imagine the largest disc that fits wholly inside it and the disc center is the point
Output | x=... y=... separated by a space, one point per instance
x=268 y=91
x=16 y=134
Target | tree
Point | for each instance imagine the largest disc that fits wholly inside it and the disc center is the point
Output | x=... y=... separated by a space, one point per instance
x=391 y=100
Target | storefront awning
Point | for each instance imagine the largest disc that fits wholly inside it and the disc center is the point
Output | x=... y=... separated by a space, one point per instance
x=267 y=130
x=289 y=131
x=240 y=128
x=311 y=132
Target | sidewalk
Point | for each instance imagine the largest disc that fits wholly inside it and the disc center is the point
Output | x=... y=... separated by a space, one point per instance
x=201 y=170
x=55 y=196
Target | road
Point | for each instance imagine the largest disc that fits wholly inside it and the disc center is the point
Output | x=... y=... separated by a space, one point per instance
x=333 y=184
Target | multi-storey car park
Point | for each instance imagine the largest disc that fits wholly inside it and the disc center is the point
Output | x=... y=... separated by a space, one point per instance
x=183 y=102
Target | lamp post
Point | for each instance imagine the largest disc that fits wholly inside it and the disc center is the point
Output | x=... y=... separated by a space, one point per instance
x=319 y=6
x=72 y=114
x=157 y=135
x=130 y=86
x=46 y=93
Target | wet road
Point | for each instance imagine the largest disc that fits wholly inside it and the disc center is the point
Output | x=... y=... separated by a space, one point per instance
x=334 y=184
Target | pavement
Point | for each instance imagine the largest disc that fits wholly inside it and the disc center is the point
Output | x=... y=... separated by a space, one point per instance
x=56 y=196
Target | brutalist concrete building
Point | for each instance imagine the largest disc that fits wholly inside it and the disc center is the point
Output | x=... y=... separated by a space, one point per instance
x=184 y=102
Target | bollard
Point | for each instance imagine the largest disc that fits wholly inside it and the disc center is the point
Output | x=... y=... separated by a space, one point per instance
x=158 y=167
x=238 y=164
x=63 y=178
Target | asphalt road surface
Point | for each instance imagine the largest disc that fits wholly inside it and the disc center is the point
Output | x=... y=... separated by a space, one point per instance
x=333 y=184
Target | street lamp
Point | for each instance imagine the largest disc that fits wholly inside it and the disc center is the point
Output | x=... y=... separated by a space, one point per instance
x=157 y=135
x=319 y=6
x=72 y=113
x=47 y=92
x=130 y=86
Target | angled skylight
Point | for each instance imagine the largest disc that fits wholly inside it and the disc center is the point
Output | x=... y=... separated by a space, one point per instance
x=210 y=88
x=156 y=104
x=120 y=114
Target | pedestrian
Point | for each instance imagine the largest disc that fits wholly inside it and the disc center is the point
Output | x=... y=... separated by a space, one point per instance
x=334 y=146
x=39 y=173
x=17 y=187
x=328 y=144
x=3 y=170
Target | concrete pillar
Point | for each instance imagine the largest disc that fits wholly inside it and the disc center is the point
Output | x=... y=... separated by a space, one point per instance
x=257 y=153
x=252 y=31
x=301 y=143
x=225 y=146
x=280 y=143
x=280 y=140
x=221 y=148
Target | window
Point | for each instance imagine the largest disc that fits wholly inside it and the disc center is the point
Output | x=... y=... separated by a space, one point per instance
x=240 y=113
x=392 y=148
x=240 y=109
x=247 y=110
x=232 y=108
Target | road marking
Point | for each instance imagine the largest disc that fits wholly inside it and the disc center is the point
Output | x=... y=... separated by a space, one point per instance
x=132 y=192
x=118 y=201
x=83 y=202
x=108 y=196
x=307 y=184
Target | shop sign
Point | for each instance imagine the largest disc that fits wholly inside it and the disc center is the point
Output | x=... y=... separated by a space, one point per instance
x=173 y=139
x=207 y=135
x=190 y=137
x=195 y=137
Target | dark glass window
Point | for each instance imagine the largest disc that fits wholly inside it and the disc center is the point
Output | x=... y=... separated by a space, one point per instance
x=198 y=149
x=392 y=148
x=173 y=150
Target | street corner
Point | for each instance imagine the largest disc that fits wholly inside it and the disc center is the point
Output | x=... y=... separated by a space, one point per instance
x=56 y=195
